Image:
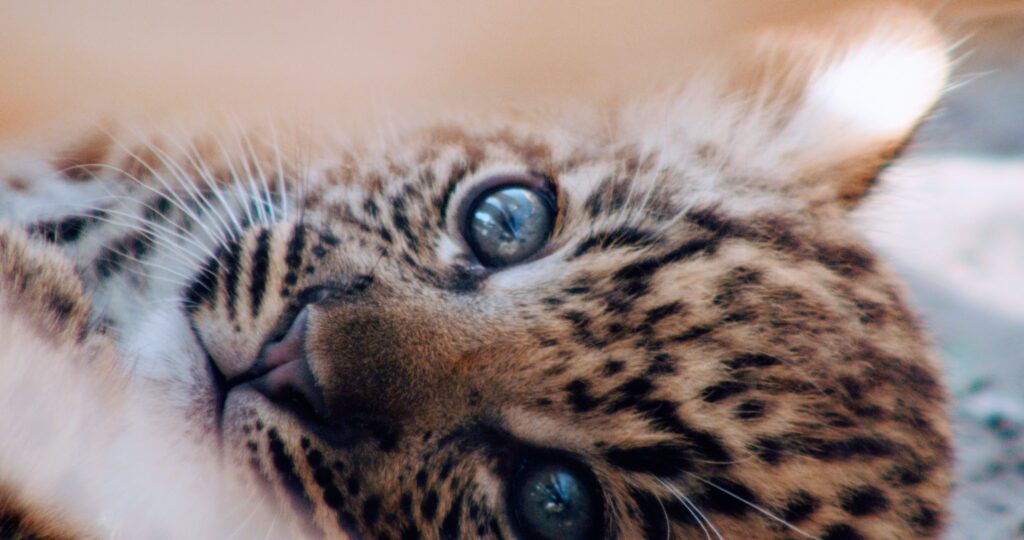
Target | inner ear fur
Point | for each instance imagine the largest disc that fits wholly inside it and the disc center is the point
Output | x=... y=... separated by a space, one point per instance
x=838 y=97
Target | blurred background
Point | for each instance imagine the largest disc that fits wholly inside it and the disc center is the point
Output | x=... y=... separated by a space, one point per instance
x=950 y=216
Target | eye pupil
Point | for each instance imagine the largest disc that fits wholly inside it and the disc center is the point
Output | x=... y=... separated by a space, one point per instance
x=509 y=224
x=554 y=503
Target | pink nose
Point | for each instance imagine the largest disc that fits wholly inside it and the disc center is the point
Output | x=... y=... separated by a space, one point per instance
x=291 y=347
x=284 y=376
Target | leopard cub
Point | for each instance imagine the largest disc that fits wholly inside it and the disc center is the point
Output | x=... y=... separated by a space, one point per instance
x=649 y=321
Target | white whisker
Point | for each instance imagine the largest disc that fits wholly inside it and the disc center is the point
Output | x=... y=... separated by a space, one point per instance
x=254 y=193
x=692 y=508
x=224 y=228
x=266 y=198
x=239 y=188
x=754 y=506
x=195 y=243
x=281 y=185
x=175 y=198
x=204 y=172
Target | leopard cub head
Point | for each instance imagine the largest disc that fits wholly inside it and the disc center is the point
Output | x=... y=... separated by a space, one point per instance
x=647 y=321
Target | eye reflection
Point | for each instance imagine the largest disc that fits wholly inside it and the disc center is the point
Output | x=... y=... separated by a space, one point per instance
x=509 y=224
x=553 y=502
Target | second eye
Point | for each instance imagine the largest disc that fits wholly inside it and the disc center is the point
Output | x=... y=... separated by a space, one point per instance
x=507 y=224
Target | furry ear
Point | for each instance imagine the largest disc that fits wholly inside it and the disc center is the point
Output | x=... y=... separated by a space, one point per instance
x=809 y=113
x=845 y=95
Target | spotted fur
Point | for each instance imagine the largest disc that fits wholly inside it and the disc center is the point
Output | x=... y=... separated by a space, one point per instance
x=703 y=331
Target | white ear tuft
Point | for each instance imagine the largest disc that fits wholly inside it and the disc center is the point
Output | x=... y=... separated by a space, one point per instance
x=808 y=113
x=884 y=72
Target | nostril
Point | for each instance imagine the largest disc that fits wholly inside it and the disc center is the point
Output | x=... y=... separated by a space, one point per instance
x=293 y=387
x=291 y=346
x=282 y=372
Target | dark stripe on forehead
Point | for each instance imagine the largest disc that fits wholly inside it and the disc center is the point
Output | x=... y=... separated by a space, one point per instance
x=258 y=275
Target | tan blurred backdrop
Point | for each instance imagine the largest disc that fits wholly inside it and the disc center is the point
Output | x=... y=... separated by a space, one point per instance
x=65 y=60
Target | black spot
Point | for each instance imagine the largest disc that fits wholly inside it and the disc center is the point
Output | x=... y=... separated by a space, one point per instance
x=293 y=256
x=352 y=485
x=328 y=238
x=232 y=262
x=711 y=220
x=799 y=507
x=108 y=261
x=204 y=286
x=847 y=261
x=739 y=316
x=405 y=504
x=692 y=334
x=652 y=514
x=644 y=269
x=926 y=520
x=906 y=475
x=864 y=501
x=286 y=472
x=723 y=390
x=657 y=314
x=841 y=531
x=662 y=460
x=66 y=230
x=446 y=469
x=609 y=195
x=630 y=393
x=258 y=277
x=662 y=415
x=462 y=279
x=750 y=409
x=579 y=396
x=727 y=496
x=612 y=367
x=768 y=449
x=60 y=305
x=139 y=243
x=621 y=237
x=371 y=510
x=752 y=361
x=843 y=449
x=581 y=329
x=428 y=507
x=450 y=523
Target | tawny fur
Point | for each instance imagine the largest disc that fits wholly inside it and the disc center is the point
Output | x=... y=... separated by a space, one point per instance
x=702 y=328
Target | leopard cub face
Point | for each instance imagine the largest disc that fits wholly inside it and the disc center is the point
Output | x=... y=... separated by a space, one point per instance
x=552 y=328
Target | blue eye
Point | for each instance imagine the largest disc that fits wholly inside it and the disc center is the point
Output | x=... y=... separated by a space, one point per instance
x=556 y=501
x=508 y=224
